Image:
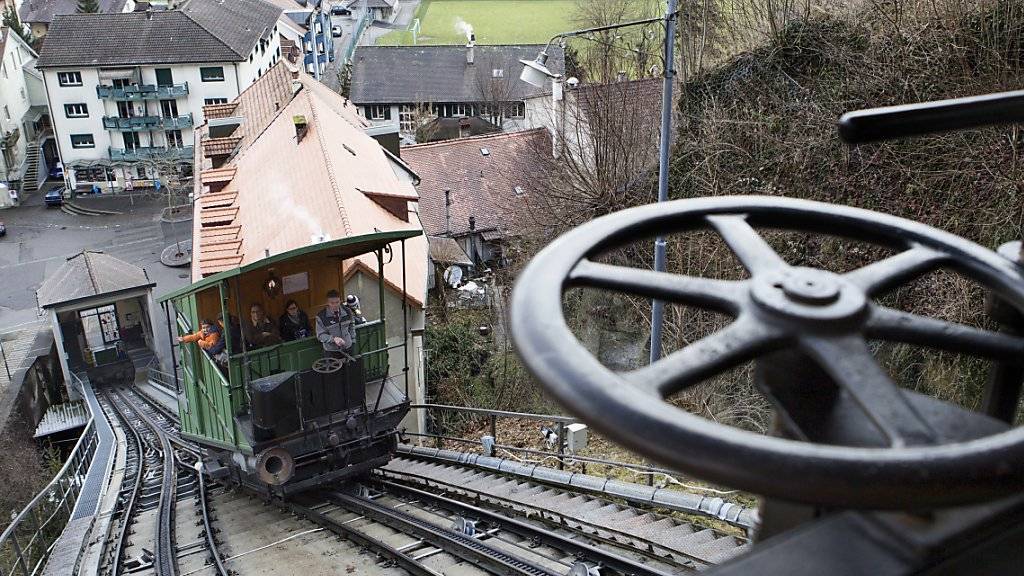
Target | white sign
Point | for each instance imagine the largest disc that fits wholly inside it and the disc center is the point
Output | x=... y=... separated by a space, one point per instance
x=296 y=283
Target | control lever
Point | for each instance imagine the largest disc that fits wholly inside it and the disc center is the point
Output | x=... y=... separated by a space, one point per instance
x=905 y=120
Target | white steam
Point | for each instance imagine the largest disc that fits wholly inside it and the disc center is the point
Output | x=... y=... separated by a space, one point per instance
x=463 y=27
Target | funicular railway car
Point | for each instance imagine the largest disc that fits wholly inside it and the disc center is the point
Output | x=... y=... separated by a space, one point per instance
x=282 y=417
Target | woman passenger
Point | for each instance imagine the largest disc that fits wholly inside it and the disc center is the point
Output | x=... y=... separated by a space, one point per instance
x=294 y=323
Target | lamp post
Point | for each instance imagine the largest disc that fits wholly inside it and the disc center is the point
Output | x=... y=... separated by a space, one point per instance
x=536 y=72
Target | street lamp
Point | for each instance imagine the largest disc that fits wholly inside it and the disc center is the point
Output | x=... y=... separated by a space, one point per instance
x=535 y=72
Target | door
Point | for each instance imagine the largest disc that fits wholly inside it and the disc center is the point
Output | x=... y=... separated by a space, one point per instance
x=131 y=140
x=169 y=108
x=125 y=109
x=173 y=138
x=163 y=77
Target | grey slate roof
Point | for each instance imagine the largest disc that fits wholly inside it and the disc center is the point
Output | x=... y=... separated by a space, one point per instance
x=90 y=274
x=44 y=10
x=435 y=74
x=201 y=31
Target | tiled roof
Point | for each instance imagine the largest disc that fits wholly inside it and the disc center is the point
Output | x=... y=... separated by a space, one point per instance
x=220 y=146
x=281 y=192
x=211 y=111
x=482 y=186
x=43 y=11
x=433 y=74
x=200 y=31
x=445 y=250
x=238 y=23
x=90 y=274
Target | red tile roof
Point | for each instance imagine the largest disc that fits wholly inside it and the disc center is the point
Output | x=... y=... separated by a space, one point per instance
x=482 y=186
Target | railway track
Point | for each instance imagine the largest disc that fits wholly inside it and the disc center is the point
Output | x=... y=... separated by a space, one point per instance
x=652 y=532
x=398 y=523
x=161 y=495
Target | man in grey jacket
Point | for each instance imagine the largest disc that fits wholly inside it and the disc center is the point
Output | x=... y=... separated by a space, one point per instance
x=336 y=328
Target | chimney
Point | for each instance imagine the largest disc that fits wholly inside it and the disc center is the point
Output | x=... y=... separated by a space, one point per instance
x=301 y=127
x=149 y=13
x=472 y=223
x=447 y=212
x=471 y=49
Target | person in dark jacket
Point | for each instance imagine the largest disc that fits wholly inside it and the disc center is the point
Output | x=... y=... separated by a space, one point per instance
x=234 y=331
x=336 y=328
x=294 y=323
x=259 y=331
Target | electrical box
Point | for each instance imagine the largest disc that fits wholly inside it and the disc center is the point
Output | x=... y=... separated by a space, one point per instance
x=575 y=437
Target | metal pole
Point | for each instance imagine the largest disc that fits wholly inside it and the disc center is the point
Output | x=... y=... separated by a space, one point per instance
x=4 y=356
x=657 y=309
x=405 y=324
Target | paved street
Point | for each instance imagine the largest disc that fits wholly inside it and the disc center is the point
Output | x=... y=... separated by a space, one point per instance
x=39 y=239
x=406 y=10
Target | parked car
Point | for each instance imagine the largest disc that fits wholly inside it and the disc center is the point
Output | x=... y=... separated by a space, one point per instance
x=336 y=31
x=55 y=197
x=339 y=10
x=3 y=229
x=57 y=172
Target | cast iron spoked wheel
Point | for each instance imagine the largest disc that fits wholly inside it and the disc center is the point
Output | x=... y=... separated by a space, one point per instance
x=825 y=316
x=327 y=365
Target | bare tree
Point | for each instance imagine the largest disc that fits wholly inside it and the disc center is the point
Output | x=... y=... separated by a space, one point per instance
x=495 y=90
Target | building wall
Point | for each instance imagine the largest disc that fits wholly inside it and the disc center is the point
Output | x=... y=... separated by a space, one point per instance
x=15 y=100
x=265 y=54
x=367 y=289
x=235 y=80
x=394 y=119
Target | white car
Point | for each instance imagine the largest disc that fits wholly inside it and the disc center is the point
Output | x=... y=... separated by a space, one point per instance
x=336 y=31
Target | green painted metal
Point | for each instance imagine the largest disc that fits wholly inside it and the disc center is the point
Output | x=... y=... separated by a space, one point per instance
x=344 y=247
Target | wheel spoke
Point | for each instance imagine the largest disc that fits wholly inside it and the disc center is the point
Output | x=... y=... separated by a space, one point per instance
x=879 y=277
x=753 y=252
x=850 y=364
x=743 y=340
x=722 y=295
x=899 y=326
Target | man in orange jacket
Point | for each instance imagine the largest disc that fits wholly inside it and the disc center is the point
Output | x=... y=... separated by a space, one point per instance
x=208 y=338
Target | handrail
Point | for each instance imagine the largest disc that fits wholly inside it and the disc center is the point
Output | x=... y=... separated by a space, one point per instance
x=15 y=555
x=502 y=413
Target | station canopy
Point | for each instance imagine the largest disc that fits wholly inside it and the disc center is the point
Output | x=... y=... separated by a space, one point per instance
x=89 y=275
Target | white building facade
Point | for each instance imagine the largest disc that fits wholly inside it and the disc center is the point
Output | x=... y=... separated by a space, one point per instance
x=120 y=123
x=16 y=127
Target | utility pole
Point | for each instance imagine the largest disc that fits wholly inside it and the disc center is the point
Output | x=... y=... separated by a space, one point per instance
x=658 y=307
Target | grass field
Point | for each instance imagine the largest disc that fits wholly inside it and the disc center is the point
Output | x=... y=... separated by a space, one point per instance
x=493 y=21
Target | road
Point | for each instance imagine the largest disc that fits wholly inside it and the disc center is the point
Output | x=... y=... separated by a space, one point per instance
x=406 y=9
x=40 y=238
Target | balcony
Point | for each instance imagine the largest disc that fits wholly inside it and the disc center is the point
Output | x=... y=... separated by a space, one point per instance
x=146 y=123
x=151 y=153
x=143 y=92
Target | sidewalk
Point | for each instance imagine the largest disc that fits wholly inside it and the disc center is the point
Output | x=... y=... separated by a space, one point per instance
x=121 y=202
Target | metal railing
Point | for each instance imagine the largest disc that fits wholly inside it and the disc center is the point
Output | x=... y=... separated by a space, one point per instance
x=142 y=92
x=438 y=430
x=144 y=123
x=151 y=153
x=26 y=543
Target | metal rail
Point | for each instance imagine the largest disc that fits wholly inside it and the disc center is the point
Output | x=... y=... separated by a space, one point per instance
x=393 y=554
x=465 y=547
x=128 y=510
x=615 y=562
x=543 y=515
x=169 y=441
x=27 y=542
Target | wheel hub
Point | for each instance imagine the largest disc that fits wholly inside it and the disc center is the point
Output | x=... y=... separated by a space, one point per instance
x=808 y=294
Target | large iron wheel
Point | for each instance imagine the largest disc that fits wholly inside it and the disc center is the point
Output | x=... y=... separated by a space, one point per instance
x=825 y=316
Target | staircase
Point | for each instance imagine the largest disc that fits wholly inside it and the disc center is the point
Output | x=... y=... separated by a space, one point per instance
x=30 y=180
